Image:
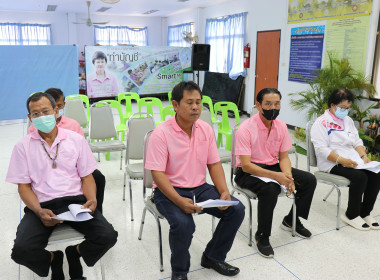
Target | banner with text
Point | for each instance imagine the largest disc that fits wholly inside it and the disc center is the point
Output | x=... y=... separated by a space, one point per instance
x=145 y=70
x=306 y=49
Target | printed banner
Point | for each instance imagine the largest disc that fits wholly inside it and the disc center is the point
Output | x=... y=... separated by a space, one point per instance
x=145 y=70
x=306 y=49
x=314 y=10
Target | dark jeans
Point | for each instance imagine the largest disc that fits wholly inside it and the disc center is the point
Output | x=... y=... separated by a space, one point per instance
x=267 y=194
x=100 y=182
x=182 y=226
x=363 y=190
x=32 y=236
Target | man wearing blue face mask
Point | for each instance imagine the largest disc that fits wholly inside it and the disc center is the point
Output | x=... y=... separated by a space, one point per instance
x=339 y=150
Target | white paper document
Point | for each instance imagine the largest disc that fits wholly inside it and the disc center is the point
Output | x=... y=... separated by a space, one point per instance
x=373 y=166
x=268 y=180
x=216 y=203
x=75 y=214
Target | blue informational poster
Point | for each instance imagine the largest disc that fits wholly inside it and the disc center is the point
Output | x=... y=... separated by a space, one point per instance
x=29 y=69
x=145 y=70
x=306 y=49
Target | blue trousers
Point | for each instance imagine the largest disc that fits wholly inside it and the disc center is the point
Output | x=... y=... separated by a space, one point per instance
x=182 y=226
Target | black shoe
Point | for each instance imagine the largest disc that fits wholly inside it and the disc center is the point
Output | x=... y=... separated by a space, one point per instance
x=220 y=267
x=263 y=246
x=179 y=276
x=301 y=231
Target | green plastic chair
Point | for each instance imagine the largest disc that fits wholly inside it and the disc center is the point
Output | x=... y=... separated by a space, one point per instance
x=85 y=100
x=128 y=97
x=206 y=99
x=167 y=111
x=170 y=97
x=122 y=127
x=224 y=128
x=149 y=102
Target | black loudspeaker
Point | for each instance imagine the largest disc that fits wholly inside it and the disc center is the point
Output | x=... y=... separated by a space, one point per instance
x=200 y=57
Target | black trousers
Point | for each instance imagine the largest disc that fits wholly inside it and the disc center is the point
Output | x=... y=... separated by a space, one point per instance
x=267 y=194
x=100 y=182
x=32 y=236
x=363 y=190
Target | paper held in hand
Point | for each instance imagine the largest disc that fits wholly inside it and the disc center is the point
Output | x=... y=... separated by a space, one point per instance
x=268 y=180
x=216 y=203
x=373 y=166
x=75 y=214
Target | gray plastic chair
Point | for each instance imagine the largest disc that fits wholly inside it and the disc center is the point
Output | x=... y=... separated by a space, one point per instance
x=102 y=129
x=225 y=156
x=74 y=110
x=138 y=125
x=247 y=193
x=151 y=207
x=335 y=181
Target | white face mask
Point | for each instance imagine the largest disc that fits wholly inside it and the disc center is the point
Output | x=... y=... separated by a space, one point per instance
x=61 y=112
x=341 y=113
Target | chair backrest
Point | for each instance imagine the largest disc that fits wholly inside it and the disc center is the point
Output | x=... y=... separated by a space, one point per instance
x=84 y=99
x=74 y=110
x=102 y=125
x=233 y=156
x=170 y=97
x=311 y=157
x=148 y=179
x=207 y=100
x=138 y=125
x=206 y=116
x=149 y=102
x=115 y=104
x=167 y=111
x=128 y=97
x=224 y=107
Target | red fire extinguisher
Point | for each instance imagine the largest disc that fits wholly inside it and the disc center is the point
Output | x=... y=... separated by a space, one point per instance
x=247 y=55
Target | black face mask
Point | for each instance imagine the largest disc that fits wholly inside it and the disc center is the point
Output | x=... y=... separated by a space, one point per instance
x=271 y=115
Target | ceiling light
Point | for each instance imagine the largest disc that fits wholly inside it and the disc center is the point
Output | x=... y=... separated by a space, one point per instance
x=182 y=0
x=51 y=8
x=150 y=12
x=110 y=1
x=103 y=9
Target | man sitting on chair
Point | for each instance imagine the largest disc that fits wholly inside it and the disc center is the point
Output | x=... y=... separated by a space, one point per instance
x=70 y=124
x=52 y=168
x=262 y=144
x=179 y=151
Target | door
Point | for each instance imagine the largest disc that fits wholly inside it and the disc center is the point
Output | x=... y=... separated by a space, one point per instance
x=267 y=60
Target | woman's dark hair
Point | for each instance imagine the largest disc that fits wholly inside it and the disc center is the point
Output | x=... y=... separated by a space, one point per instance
x=56 y=93
x=260 y=95
x=37 y=96
x=98 y=55
x=178 y=90
x=339 y=95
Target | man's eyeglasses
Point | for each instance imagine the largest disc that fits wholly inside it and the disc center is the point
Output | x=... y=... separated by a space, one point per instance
x=43 y=113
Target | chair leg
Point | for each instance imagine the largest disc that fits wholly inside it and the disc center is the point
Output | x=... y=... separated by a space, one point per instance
x=328 y=194
x=142 y=223
x=130 y=198
x=125 y=182
x=219 y=141
x=121 y=160
x=98 y=157
x=228 y=142
x=108 y=156
x=338 y=210
x=213 y=225
x=160 y=243
x=102 y=270
x=294 y=217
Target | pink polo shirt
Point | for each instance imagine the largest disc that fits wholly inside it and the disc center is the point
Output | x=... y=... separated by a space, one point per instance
x=30 y=164
x=65 y=122
x=97 y=88
x=252 y=139
x=183 y=159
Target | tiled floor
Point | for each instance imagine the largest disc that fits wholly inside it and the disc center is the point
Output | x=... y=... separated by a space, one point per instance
x=329 y=254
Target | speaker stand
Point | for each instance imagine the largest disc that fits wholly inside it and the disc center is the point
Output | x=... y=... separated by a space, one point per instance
x=197 y=74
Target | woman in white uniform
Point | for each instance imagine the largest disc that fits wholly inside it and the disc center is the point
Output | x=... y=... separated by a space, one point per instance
x=339 y=150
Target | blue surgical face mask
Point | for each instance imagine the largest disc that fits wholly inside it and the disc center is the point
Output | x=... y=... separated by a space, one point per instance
x=341 y=112
x=44 y=123
x=61 y=112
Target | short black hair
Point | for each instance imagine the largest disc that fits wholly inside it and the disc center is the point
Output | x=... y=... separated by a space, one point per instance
x=56 y=93
x=260 y=95
x=37 y=96
x=339 y=95
x=178 y=90
x=98 y=55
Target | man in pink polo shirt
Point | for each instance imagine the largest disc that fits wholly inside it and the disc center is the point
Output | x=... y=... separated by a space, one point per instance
x=179 y=151
x=73 y=125
x=262 y=144
x=52 y=168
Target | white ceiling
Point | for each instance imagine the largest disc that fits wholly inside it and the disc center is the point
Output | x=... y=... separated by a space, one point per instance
x=124 y=7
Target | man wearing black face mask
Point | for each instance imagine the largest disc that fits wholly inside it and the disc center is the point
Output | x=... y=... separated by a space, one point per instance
x=262 y=144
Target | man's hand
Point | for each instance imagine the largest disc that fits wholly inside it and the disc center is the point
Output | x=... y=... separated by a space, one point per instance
x=90 y=204
x=187 y=206
x=346 y=162
x=224 y=196
x=366 y=159
x=45 y=217
x=284 y=179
